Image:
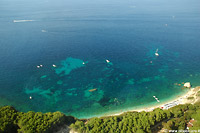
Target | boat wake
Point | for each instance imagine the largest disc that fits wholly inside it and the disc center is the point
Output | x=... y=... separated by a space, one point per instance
x=20 y=21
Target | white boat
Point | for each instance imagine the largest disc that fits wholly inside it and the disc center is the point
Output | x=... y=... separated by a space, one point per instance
x=156 y=54
x=107 y=61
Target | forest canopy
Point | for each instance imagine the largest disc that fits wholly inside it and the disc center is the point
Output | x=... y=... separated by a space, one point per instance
x=176 y=118
x=12 y=121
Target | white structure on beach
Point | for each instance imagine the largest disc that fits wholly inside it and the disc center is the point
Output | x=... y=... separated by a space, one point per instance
x=187 y=85
x=172 y=104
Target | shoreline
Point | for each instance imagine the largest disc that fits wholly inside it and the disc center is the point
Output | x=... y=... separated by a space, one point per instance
x=174 y=100
x=182 y=99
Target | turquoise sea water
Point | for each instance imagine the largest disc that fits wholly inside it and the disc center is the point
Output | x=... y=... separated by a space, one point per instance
x=77 y=37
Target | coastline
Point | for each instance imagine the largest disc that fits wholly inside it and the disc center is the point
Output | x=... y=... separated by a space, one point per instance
x=182 y=99
x=179 y=98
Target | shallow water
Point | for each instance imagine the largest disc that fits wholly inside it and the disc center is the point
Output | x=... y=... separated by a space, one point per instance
x=78 y=37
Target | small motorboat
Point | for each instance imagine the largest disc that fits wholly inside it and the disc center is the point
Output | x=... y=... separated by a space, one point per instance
x=156 y=53
x=107 y=61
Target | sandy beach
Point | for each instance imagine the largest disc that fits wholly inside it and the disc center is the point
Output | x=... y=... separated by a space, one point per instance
x=190 y=97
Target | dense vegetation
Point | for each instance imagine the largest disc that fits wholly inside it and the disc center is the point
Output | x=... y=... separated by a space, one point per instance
x=12 y=121
x=175 y=118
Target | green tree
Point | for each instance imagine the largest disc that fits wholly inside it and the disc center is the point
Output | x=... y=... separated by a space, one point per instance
x=8 y=117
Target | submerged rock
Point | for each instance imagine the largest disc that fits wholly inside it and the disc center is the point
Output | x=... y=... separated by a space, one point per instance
x=92 y=90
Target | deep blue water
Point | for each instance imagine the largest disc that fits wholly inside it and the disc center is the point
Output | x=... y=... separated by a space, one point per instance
x=67 y=33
